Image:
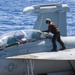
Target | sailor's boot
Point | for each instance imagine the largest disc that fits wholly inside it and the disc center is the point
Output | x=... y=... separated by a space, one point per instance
x=63 y=47
x=54 y=47
x=53 y=50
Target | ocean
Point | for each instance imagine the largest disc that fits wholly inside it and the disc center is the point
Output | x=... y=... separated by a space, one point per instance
x=12 y=17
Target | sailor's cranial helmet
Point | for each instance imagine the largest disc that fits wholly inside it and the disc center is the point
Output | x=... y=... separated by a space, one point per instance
x=48 y=20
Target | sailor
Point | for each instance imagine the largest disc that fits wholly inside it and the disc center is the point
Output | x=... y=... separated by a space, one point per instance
x=54 y=30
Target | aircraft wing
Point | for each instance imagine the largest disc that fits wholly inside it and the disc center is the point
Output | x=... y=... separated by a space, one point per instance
x=68 y=54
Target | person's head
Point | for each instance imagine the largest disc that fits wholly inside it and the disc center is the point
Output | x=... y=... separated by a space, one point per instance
x=48 y=21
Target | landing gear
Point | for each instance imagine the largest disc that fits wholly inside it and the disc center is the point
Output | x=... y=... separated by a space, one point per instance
x=30 y=67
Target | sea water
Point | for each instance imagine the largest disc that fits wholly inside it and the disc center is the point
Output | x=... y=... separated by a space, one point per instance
x=12 y=17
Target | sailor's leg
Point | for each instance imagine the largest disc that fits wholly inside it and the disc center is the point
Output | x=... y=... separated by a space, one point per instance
x=54 y=43
x=61 y=42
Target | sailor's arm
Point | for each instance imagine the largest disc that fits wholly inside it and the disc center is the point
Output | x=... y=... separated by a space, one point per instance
x=47 y=30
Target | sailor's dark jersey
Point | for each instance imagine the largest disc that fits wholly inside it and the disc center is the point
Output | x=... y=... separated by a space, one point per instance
x=52 y=28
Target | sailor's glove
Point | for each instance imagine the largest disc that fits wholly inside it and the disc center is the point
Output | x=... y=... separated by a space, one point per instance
x=43 y=31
